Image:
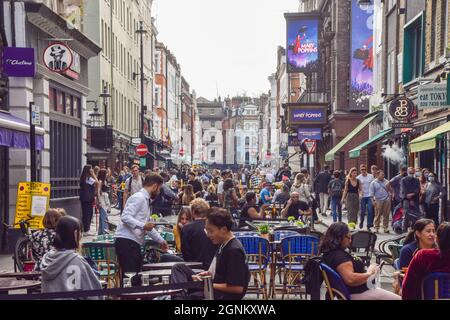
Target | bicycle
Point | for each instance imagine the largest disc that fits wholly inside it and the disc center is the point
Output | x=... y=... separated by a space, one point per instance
x=23 y=255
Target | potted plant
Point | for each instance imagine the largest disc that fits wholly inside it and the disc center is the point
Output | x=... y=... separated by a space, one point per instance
x=291 y=219
x=299 y=224
x=352 y=225
x=264 y=231
x=154 y=217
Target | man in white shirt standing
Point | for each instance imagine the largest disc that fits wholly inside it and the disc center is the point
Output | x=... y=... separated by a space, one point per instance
x=366 y=202
x=135 y=223
x=133 y=184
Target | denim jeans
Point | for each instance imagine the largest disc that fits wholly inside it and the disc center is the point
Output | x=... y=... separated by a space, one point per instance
x=102 y=221
x=366 y=202
x=336 y=209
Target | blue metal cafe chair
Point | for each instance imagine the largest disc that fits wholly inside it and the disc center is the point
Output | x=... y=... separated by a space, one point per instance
x=335 y=284
x=257 y=250
x=436 y=286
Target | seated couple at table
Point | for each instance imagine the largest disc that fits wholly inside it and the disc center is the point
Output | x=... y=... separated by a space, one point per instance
x=229 y=270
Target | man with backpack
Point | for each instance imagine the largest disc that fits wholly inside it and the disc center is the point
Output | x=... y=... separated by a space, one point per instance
x=335 y=190
x=133 y=184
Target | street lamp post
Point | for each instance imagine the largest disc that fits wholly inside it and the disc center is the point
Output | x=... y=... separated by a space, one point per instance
x=141 y=31
x=105 y=96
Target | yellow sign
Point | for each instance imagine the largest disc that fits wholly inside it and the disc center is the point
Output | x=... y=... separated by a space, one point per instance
x=32 y=202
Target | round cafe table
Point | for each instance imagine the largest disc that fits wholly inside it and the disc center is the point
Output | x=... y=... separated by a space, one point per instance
x=9 y=284
x=33 y=275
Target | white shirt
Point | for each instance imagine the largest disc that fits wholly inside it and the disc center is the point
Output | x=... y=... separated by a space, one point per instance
x=220 y=188
x=90 y=181
x=269 y=177
x=136 y=185
x=365 y=183
x=135 y=215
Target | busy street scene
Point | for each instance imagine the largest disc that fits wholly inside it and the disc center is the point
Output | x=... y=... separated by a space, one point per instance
x=283 y=151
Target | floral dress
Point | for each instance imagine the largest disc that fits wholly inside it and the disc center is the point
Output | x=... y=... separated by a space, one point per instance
x=41 y=243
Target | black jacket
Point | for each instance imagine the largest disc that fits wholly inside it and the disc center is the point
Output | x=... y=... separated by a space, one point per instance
x=321 y=182
x=313 y=277
x=195 y=245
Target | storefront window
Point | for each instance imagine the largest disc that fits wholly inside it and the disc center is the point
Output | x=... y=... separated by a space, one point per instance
x=60 y=102
x=68 y=104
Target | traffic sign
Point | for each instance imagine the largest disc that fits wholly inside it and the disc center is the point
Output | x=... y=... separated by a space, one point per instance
x=310 y=146
x=141 y=150
x=136 y=141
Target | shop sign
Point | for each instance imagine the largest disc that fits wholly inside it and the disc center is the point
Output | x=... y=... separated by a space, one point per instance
x=402 y=109
x=143 y=162
x=32 y=203
x=136 y=141
x=293 y=141
x=310 y=133
x=432 y=95
x=307 y=115
x=18 y=62
x=58 y=57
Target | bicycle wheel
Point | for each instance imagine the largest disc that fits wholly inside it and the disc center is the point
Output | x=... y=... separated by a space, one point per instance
x=22 y=253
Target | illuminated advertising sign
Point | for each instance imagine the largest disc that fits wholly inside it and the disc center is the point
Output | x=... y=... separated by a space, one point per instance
x=361 y=56
x=302 y=43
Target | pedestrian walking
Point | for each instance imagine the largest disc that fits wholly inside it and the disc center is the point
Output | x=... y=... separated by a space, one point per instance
x=352 y=190
x=336 y=190
x=433 y=192
x=104 y=205
x=394 y=184
x=380 y=192
x=365 y=180
x=133 y=184
x=410 y=192
x=321 y=184
x=88 y=191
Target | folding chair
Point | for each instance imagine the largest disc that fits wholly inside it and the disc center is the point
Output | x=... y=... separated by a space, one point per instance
x=363 y=245
x=336 y=287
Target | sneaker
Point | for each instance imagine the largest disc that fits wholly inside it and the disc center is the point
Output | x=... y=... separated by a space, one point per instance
x=361 y=226
x=324 y=214
x=387 y=231
x=369 y=229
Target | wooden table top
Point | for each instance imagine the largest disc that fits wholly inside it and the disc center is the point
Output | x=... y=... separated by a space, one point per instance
x=169 y=265
x=21 y=275
x=164 y=272
x=8 y=284
x=149 y=295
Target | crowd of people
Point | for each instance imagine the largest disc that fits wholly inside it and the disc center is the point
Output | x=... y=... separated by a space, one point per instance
x=214 y=201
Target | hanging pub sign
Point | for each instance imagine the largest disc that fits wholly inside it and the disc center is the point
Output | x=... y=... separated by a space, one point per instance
x=402 y=109
x=58 y=57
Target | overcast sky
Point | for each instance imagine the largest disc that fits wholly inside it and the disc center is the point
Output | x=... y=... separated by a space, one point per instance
x=224 y=46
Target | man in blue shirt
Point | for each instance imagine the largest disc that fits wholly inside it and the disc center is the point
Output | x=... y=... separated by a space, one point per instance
x=265 y=194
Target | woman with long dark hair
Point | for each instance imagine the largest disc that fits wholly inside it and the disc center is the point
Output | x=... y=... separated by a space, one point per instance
x=104 y=205
x=336 y=241
x=88 y=190
x=352 y=190
x=63 y=269
x=422 y=236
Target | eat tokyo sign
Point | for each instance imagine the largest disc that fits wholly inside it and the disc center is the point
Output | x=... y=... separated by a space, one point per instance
x=18 y=62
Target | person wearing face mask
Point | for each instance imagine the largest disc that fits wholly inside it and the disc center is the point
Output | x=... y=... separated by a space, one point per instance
x=433 y=192
x=135 y=224
x=409 y=193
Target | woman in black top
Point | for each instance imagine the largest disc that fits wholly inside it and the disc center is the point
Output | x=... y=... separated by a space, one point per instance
x=351 y=193
x=352 y=270
x=88 y=189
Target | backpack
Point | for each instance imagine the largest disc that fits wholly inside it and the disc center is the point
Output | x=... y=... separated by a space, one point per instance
x=336 y=188
x=130 y=179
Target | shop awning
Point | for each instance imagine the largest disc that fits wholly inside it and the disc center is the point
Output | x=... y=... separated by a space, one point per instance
x=330 y=155
x=15 y=132
x=427 y=141
x=95 y=153
x=355 y=153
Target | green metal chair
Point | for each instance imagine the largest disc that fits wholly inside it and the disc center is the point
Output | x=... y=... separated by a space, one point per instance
x=104 y=255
